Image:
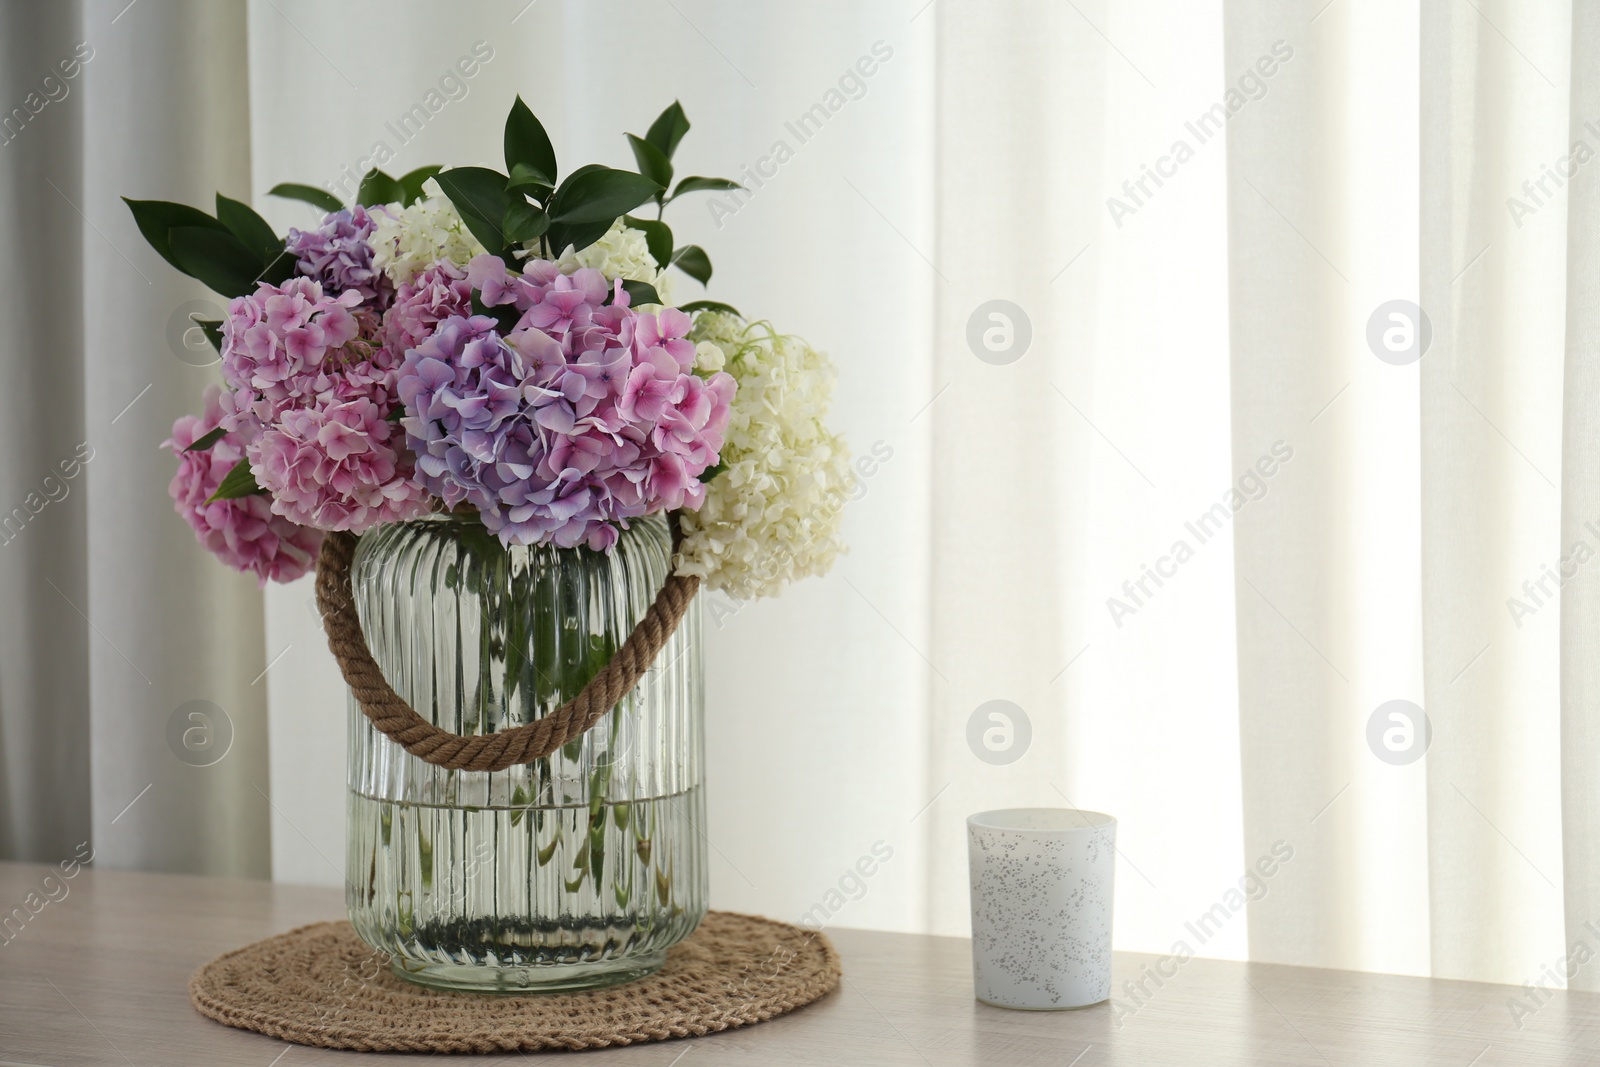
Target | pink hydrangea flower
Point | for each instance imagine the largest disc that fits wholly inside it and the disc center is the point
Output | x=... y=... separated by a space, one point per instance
x=277 y=342
x=587 y=414
x=437 y=293
x=341 y=465
x=243 y=533
x=315 y=390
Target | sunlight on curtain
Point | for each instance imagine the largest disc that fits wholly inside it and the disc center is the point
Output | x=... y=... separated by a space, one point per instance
x=1494 y=280
x=1063 y=586
x=1322 y=200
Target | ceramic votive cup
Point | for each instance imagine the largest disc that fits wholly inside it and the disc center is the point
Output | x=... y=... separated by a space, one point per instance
x=1041 y=906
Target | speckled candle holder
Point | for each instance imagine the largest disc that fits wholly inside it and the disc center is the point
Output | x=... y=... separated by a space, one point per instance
x=1041 y=907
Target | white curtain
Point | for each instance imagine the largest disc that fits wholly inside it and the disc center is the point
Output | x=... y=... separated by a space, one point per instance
x=1323 y=230
x=1510 y=767
x=44 y=697
x=121 y=641
x=1193 y=535
x=1580 y=504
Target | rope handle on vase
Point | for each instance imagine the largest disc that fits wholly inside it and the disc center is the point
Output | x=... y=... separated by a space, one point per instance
x=484 y=752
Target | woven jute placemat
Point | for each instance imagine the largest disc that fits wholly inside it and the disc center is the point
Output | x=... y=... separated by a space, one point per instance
x=321 y=985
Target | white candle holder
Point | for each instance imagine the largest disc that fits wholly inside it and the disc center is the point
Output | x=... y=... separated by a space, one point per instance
x=1041 y=907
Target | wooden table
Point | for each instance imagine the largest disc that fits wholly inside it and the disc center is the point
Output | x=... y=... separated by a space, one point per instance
x=98 y=977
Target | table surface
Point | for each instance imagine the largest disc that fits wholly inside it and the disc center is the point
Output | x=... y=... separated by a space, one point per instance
x=98 y=976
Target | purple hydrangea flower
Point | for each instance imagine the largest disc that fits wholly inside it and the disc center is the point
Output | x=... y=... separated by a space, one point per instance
x=337 y=255
x=585 y=416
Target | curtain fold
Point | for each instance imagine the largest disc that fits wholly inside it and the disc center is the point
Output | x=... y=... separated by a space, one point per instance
x=1288 y=304
x=44 y=650
x=177 y=723
x=1004 y=547
x=1494 y=113
x=129 y=713
x=1580 y=513
x=1322 y=223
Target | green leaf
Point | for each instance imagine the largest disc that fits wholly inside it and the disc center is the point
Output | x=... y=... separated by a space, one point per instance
x=711 y=472
x=562 y=236
x=693 y=261
x=641 y=293
x=527 y=144
x=523 y=221
x=657 y=235
x=652 y=164
x=549 y=850
x=479 y=194
x=411 y=183
x=709 y=305
x=212 y=328
x=696 y=184
x=242 y=221
x=587 y=168
x=600 y=195
x=217 y=258
x=309 y=193
x=668 y=129
x=157 y=218
x=205 y=441
x=238 y=482
x=520 y=799
x=274 y=263
x=378 y=188
x=279 y=270
x=525 y=178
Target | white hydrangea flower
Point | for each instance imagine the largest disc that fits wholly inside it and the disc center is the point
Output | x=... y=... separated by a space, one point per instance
x=405 y=240
x=709 y=358
x=772 y=515
x=622 y=253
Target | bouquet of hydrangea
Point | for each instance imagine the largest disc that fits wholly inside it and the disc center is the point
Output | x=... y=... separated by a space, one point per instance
x=505 y=343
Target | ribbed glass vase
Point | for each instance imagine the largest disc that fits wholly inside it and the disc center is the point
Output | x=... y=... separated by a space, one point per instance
x=574 y=871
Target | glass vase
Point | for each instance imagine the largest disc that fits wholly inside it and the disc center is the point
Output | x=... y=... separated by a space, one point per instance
x=577 y=870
